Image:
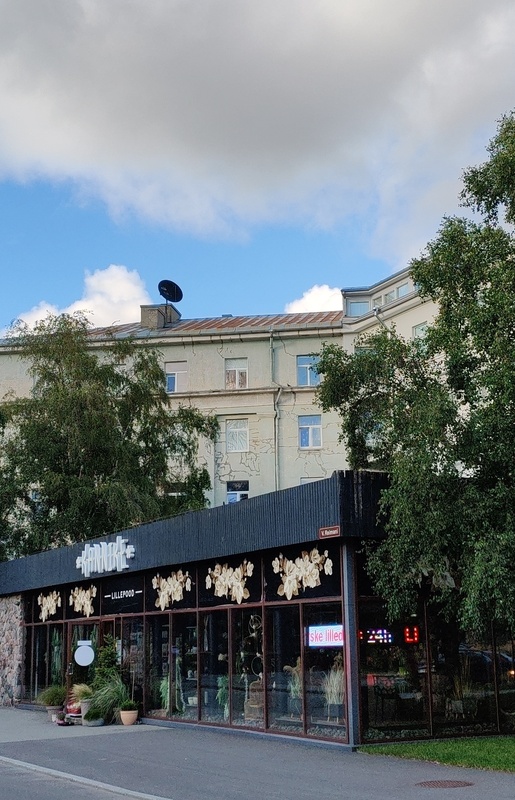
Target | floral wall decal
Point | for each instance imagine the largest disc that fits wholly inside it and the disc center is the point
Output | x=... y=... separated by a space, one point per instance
x=229 y=582
x=49 y=604
x=82 y=599
x=302 y=573
x=171 y=590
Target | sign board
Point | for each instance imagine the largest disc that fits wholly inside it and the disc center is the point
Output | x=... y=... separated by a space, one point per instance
x=325 y=636
x=329 y=532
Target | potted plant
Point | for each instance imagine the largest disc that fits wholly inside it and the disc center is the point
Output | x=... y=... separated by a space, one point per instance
x=81 y=694
x=294 y=688
x=128 y=712
x=333 y=687
x=61 y=719
x=108 y=697
x=222 y=694
x=92 y=718
x=53 y=697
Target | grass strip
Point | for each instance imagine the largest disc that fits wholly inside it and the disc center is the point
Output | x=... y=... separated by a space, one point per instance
x=494 y=753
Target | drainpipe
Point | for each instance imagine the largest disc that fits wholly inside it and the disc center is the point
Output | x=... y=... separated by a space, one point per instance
x=277 y=397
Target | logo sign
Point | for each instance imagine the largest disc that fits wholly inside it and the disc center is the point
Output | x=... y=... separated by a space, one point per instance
x=325 y=636
x=328 y=533
x=105 y=557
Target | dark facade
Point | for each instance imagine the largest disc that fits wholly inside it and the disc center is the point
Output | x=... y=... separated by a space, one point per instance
x=258 y=615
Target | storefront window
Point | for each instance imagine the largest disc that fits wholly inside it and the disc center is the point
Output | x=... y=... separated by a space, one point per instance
x=157 y=688
x=324 y=672
x=132 y=661
x=214 y=674
x=393 y=675
x=247 y=707
x=183 y=672
x=284 y=670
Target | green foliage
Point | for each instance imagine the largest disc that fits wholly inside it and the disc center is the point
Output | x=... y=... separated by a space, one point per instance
x=53 y=695
x=96 y=446
x=128 y=705
x=109 y=697
x=80 y=692
x=106 y=666
x=439 y=416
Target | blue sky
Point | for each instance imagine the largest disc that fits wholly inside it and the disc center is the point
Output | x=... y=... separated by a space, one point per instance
x=249 y=152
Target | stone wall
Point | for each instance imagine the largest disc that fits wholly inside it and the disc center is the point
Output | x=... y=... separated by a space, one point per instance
x=11 y=649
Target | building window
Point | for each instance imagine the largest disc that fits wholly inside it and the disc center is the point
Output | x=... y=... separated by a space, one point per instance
x=176 y=373
x=402 y=290
x=237 y=490
x=237 y=435
x=389 y=296
x=236 y=373
x=419 y=331
x=306 y=371
x=310 y=431
x=356 y=308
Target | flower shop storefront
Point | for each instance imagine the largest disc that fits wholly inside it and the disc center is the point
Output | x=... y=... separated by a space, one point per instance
x=199 y=642
x=258 y=616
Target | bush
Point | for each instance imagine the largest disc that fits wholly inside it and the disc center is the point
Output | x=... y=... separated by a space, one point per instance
x=52 y=696
x=109 y=697
x=92 y=714
x=128 y=705
x=80 y=692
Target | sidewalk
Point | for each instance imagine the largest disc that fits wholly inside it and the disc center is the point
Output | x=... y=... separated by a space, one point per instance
x=187 y=762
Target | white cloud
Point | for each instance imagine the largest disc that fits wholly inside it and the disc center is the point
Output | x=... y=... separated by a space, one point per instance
x=214 y=116
x=318 y=298
x=112 y=295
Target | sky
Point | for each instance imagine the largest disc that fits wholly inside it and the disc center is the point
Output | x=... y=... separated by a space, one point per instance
x=261 y=155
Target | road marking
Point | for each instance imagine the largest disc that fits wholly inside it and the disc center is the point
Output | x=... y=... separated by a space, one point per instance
x=85 y=781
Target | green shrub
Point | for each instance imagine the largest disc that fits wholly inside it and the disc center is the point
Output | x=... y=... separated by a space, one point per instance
x=109 y=697
x=128 y=705
x=53 y=695
x=92 y=714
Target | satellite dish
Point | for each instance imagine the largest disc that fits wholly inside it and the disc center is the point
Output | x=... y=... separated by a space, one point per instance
x=170 y=291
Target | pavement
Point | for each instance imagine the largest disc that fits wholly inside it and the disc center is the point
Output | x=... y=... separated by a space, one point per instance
x=190 y=762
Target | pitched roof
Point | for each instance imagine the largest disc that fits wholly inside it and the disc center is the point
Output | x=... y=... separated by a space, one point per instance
x=228 y=324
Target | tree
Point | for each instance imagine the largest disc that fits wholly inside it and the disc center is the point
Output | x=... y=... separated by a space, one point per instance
x=439 y=414
x=96 y=447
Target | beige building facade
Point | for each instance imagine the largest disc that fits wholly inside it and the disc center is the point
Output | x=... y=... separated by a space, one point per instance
x=255 y=373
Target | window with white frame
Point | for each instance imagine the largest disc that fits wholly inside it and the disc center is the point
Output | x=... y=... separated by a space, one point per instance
x=310 y=431
x=237 y=435
x=237 y=490
x=306 y=371
x=419 y=331
x=356 y=308
x=176 y=376
x=236 y=371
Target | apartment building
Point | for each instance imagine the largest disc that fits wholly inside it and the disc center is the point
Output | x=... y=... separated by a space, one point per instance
x=256 y=374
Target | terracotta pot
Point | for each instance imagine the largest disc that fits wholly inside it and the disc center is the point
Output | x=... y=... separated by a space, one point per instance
x=128 y=717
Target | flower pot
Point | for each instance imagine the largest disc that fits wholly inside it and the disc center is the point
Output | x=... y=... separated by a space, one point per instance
x=92 y=723
x=52 y=712
x=128 y=717
x=85 y=706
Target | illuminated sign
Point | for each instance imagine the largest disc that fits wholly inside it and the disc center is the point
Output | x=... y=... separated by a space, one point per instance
x=377 y=636
x=105 y=557
x=411 y=634
x=325 y=636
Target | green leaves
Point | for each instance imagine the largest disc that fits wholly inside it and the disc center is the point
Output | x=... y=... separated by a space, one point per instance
x=96 y=445
x=440 y=416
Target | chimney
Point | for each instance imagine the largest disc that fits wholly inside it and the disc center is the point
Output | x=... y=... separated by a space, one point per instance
x=162 y=316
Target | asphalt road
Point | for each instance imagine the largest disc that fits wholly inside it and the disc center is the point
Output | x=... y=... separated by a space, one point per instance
x=192 y=763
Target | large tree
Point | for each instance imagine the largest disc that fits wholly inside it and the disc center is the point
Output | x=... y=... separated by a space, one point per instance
x=439 y=414
x=96 y=447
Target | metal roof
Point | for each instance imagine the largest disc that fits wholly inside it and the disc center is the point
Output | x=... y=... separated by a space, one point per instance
x=228 y=324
